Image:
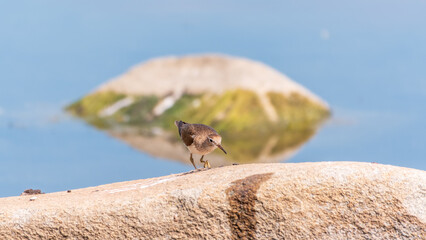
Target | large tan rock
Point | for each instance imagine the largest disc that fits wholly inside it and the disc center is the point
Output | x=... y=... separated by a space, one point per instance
x=195 y=74
x=338 y=200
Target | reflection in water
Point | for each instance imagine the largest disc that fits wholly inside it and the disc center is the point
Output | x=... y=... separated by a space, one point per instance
x=166 y=145
x=248 y=135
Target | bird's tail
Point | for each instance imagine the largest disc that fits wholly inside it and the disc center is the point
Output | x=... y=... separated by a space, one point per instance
x=179 y=125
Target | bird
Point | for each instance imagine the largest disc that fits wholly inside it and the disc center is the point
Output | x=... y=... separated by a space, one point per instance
x=199 y=139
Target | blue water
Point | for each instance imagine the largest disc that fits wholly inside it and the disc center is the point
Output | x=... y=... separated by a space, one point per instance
x=367 y=60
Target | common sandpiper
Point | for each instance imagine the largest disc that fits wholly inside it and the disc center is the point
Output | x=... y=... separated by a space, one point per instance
x=199 y=139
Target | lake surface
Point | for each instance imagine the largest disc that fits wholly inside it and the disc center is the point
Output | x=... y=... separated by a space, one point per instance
x=367 y=60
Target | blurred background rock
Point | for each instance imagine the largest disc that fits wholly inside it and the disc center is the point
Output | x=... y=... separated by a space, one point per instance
x=262 y=115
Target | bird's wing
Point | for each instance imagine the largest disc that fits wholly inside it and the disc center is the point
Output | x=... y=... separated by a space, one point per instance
x=204 y=129
x=187 y=134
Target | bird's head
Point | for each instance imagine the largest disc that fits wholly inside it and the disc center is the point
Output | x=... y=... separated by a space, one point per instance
x=216 y=140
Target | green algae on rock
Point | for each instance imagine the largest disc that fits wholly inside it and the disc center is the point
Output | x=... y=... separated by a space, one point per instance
x=258 y=123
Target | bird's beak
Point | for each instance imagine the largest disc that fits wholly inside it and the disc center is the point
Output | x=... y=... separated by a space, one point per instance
x=221 y=148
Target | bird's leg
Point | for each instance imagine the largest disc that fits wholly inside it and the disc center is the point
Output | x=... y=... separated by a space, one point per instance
x=192 y=161
x=201 y=160
x=206 y=163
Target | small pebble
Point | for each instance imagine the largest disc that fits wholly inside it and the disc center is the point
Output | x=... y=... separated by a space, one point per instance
x=33 y=198
x=31 y=192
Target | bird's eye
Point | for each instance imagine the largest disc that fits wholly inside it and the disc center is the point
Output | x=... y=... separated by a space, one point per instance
x=211 y=140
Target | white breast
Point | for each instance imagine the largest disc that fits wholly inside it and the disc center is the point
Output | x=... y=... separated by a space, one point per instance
x=194 y=150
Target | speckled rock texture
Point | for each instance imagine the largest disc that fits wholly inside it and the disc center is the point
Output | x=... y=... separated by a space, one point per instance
x=327 y=200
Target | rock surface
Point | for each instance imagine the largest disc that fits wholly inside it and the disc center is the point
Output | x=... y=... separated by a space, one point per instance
x=329 y=200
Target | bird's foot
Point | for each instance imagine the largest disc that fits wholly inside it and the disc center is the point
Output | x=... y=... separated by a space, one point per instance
x=206 y=164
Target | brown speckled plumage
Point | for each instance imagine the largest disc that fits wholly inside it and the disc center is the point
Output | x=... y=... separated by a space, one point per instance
x=199 y=139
